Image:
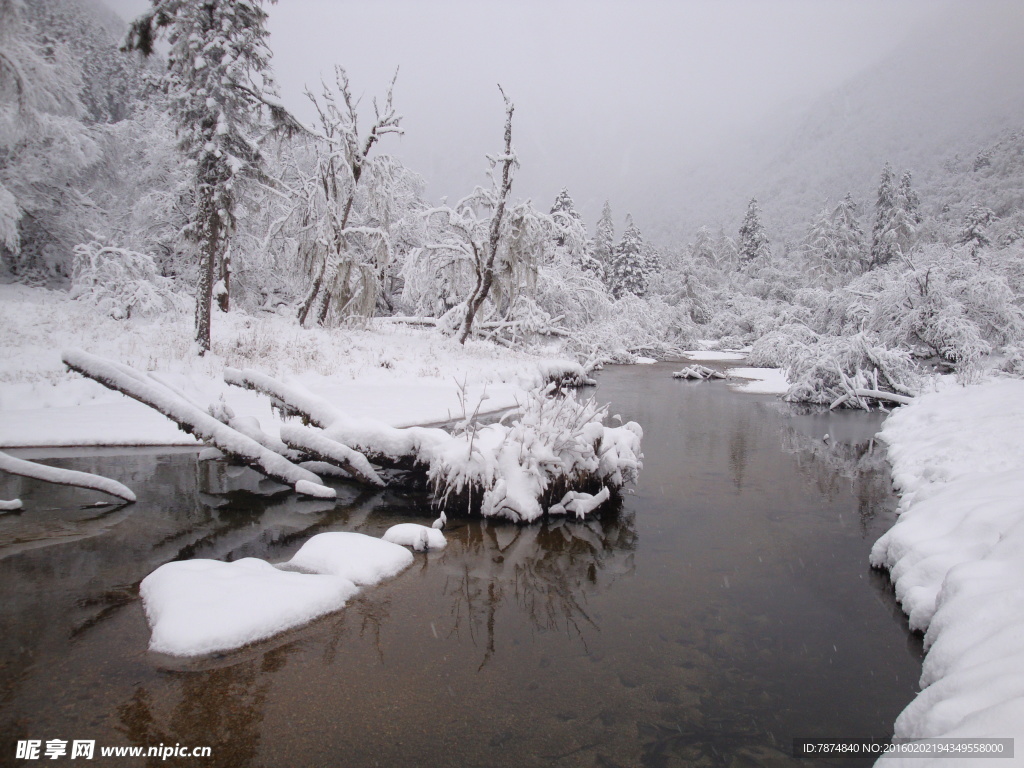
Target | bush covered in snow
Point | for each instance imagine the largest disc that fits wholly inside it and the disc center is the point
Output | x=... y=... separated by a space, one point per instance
x=554 y=446
x=120 y=282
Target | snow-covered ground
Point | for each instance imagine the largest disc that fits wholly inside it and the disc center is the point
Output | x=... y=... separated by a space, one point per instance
x=956 y=557
x=397 y=375
x=759 y=381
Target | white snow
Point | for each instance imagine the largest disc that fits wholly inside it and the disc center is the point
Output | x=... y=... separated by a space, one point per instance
x=359 y=558
x=10 y=506
x=713 y=354
x=419 y=537
x=956 y=557
x=392 y=374
x=196 y=607
x=759 y=381
x=201 y=606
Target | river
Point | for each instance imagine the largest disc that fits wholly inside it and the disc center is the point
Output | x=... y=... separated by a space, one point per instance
x=726 y=609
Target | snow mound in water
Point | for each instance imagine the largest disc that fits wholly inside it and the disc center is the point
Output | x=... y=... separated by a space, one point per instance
x=419 y=537
x=203 y=606
x=359 y=558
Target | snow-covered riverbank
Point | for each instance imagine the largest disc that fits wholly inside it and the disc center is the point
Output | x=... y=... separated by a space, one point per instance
x=398 y=375
x=956 y=556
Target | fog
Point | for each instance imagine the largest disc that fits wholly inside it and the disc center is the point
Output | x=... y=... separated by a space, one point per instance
x=609 y=95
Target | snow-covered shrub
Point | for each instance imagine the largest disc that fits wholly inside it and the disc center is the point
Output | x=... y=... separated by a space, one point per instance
x=120 y=282
x=777 y=349
x=556 y=445
x=631 y=326
x=824 y=371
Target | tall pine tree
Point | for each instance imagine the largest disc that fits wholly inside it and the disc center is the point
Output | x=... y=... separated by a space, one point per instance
x=754 y=243
x=219 y=82
x=604 y=241
x=629 y=263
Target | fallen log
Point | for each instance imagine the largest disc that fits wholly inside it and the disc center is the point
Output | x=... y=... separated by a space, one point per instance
x=195 y=421
x=321 y=448
x=60 y=476
x=873 y=394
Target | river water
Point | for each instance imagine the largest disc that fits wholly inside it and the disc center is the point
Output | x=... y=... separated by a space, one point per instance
x=726 y=609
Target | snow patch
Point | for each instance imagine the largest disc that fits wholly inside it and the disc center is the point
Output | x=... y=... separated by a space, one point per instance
x=759 y=381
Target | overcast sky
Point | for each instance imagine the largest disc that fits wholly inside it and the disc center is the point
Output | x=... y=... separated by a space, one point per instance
x=606 y=91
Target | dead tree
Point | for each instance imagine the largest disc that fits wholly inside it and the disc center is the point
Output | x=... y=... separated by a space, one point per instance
x=497 y=197
x=341 y=160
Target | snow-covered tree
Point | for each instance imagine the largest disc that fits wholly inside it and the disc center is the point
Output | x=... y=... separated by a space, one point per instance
x=973 y=232
x=219 y=83
x=882 y=242
x=836 y=237
x=351 y=252
x=629 y=263
x=570 y=234
x=897 y=218
x=753 y=243
x=604 y=239
x=44 y=146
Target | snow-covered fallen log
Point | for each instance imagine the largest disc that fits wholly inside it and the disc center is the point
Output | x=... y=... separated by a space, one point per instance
x=872 y=394
x=12 y=505
x=193 y=420
x=59 y=476
x=319 y=447
x=698 y=372
x=516 y=470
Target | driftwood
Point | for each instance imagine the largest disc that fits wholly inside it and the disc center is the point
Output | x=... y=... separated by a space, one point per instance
x=195 y=421
x=58 y=476
x=873 y=394
x=698 y=372
x=859 y=395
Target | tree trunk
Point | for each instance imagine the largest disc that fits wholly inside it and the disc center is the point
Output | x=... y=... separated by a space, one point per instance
x=224 y=297
x=209 y=253
x=485 y=271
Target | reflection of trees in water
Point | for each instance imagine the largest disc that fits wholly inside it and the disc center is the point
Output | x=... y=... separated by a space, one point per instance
x=832 y=465
x=545 y=570
x=222 y=708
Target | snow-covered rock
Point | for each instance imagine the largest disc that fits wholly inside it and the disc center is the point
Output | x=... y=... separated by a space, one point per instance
x=361 y=559
x=419 y=537
x=204 y=606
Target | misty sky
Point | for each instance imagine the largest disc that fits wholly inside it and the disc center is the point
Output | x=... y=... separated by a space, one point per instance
x=606 y=92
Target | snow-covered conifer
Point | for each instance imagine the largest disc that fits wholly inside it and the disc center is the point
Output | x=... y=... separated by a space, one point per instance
x=973 y=232
x=629 y=263
x=897 y=218
x=219 y=83
x=754 y=243
x=604 y=239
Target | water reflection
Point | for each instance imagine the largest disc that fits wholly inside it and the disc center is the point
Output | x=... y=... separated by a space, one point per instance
x=547 y=570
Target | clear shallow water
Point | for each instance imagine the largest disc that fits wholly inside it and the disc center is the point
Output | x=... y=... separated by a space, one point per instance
x=726 y=609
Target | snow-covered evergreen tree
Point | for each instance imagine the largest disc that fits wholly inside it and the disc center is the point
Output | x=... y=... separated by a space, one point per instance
x=604 y=240
x=629 y=263
x=219 y=83
x=754 y=243
x=974 y=233
x=897 y=218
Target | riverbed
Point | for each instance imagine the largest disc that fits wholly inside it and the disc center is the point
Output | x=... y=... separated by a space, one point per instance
x=725 y=609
